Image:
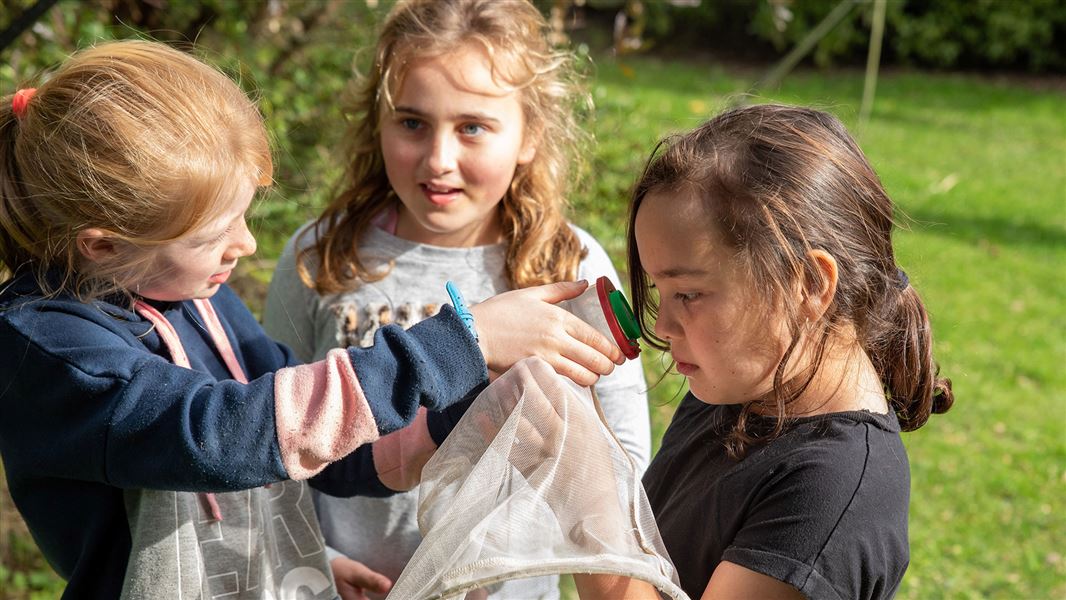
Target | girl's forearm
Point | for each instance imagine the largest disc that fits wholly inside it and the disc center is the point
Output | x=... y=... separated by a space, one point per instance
x=595 y=586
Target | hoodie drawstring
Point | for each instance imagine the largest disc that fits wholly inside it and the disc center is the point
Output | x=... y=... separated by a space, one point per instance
x=170 y=338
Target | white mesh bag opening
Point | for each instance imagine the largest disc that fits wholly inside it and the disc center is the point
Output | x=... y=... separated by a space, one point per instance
x=531 y=482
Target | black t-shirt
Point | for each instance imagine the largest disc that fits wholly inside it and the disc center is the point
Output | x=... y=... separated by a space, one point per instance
x=822 y=508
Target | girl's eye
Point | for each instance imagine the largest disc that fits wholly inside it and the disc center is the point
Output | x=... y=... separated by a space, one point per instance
x=411 y=124
x=218 y=239
x=685 y=298
x=472 y=129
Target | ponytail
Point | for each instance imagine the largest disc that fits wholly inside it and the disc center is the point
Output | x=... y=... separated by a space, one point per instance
x=904 y=362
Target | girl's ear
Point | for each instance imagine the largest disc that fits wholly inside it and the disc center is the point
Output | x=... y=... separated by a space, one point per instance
x=96 y=245
x=528 y=151
x=818 y=298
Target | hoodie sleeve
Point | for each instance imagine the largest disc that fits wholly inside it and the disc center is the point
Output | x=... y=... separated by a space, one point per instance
x=81 y=398
x=433 y=365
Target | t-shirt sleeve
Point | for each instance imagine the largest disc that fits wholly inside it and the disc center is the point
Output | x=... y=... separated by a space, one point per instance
x=623 y=393
x=794 y=516
x=288 y=315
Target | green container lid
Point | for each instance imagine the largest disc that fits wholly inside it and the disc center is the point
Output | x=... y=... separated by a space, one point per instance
x=624 y=313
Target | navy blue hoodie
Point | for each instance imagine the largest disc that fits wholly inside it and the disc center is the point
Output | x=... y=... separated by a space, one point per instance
x=92 y=408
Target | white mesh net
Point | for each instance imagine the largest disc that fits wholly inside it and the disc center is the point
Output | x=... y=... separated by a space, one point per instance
x=531 y=482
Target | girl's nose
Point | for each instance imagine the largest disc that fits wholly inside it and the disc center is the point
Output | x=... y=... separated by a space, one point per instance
x=443 y=155
x=666 y=327
x=243 y=243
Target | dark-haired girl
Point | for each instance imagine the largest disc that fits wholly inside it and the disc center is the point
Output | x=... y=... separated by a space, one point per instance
x=760 y=257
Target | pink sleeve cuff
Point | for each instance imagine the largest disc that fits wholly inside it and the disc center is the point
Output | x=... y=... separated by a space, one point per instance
x=322 y=414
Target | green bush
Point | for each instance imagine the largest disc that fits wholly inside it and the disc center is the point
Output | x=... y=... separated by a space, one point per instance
x=976 y=33
x=1028 y=35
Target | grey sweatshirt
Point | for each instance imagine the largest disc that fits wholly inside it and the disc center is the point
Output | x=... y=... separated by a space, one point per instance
x=382 y=532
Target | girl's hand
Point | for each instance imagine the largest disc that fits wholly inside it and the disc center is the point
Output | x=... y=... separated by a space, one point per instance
x=526 y=322
x=354 y=579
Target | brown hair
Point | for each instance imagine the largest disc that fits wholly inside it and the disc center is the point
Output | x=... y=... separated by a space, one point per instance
x=541 y=246
x=780 y=181
x=133 y=137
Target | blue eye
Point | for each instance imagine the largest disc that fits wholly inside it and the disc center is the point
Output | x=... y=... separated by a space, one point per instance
x=411 y=124
x=472 y=129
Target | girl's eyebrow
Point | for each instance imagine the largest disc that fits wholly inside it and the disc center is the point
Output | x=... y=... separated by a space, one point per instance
x=474 y=116
x=410 y=110
x=676 y=272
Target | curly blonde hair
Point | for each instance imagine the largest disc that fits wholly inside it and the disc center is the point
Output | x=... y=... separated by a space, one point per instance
x=542 y=248
x=134 y=138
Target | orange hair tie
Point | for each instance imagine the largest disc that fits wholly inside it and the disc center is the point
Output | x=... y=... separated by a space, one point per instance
x=21 y=100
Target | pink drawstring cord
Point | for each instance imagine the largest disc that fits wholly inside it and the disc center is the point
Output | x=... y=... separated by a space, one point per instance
x=170 y=338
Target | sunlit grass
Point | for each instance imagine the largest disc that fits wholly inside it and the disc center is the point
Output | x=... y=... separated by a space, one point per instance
x=978 y=168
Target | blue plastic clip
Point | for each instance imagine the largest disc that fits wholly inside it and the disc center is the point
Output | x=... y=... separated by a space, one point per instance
x=460 y=307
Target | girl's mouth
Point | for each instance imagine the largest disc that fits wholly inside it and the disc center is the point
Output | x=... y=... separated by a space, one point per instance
x=686 y=369
x=220 y=278
x=440 y=195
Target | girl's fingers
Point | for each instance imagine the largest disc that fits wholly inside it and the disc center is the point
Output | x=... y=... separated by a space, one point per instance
x=557 y=292
x=353 y=578
x=587 y=337
x=522 y=323
x=575 y=370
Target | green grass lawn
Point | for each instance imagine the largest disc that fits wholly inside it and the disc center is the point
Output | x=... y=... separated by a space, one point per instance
x=978 y=166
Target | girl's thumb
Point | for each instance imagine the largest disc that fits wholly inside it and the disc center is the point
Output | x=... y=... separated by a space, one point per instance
x=380 y=584
x=373 y=581
x=563 y=290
